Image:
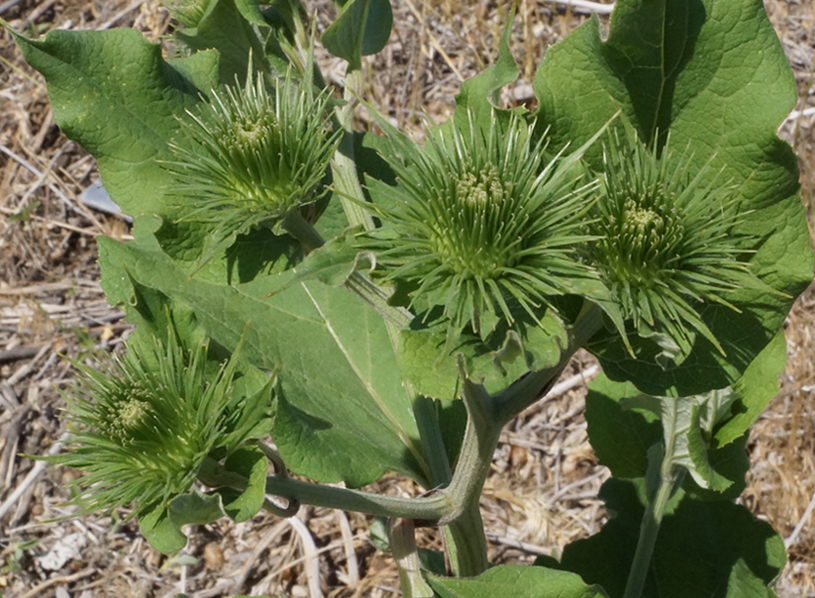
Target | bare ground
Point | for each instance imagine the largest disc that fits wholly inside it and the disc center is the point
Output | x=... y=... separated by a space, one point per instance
x=542 y=492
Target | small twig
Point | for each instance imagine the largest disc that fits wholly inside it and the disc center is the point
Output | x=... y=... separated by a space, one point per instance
x=64 y=225
x=312 y=564
x=7 y=5
x=796 y=114
x=40 y=589
x=573 y=382
x=18 y=353
x=434 y=42
x=49 y=362
x=793 y=537
x=25 y=369
x=32 y=476
x=7 y=396
x=350 y=551
x=40 y=10
x=36 y=172
x=582 y=6
x=122 y=13
x=563 y=491
x=267 y=539
x=525 y=546
x=45 y=287
x=73 y=206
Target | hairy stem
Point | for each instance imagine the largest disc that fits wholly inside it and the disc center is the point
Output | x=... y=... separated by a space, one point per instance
x=670 y=475
x=302 y=230
x=466 y=543
x=432 y=507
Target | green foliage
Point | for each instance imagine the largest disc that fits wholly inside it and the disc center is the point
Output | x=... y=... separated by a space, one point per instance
x=521 y=582
x=355 y=437
x=362 y=28
x=228 y=26
x=704 y=548
x=713 y=75
x=145 y=426
x=647 y=211
x=482 y=229
x=101 y=81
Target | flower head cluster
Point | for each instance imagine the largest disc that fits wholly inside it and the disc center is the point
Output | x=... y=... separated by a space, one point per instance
x=482 y=226
x=254 y=153
x=666 y=243
x=143 y=427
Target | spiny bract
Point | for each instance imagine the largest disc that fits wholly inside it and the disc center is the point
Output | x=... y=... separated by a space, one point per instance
x=483 y=225
x=666 y=243
x=142 y=427
x=254 y=153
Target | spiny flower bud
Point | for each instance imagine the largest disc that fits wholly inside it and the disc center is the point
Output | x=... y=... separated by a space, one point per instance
x=482 y=226
x=144 y=425
x=666 y=243
x=252 y=154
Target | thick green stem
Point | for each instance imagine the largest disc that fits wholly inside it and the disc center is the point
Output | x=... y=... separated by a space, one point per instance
x=651 y=521
x=302 y=230
x=466 y=543
x=432 y=507
x=457 y=504
x=486 y=417
x=661 y=466
x=424 y=410
x=480 y=440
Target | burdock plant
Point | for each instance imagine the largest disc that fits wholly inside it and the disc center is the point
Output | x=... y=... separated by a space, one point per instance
x=492 y=240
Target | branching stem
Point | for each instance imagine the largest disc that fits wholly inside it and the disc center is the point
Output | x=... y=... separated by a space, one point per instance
x=432 y=507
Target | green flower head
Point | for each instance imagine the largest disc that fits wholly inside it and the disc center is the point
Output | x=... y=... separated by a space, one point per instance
x=143 y=426
x=482 y=226
x=252 y=154
x=666 y=242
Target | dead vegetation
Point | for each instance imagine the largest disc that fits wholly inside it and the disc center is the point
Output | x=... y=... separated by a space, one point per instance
x=542 y=493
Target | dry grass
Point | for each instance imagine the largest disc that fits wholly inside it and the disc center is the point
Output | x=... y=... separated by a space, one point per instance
x=542 y=490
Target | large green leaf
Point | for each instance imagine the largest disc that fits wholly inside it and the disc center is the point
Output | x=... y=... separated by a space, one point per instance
x=713 y=75
x=239 y=259
x=342 y=413
x=112 y=92
x=479 y=95
x=754 y=390
x=712 y=549
x=503 y=358
x=230 y=27
x=513 y=581
x=362 y=28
